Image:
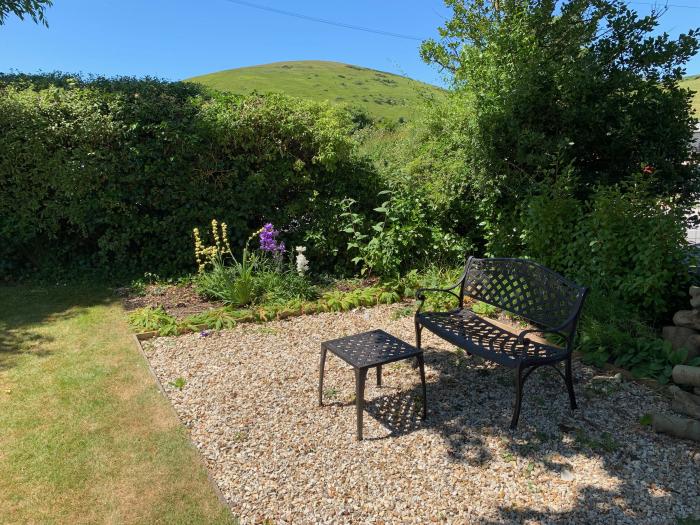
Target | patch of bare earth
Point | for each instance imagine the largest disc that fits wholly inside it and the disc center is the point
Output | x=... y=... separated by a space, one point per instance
x=179 y=301
x=250 y=404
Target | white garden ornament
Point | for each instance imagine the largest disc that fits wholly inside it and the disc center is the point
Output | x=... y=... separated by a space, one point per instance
x=302 y=261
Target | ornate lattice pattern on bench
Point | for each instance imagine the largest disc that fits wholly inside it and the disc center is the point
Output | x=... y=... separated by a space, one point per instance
x=521 y=287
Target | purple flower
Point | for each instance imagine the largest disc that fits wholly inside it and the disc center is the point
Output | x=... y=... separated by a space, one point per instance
x=268 y=239
x=204 y=333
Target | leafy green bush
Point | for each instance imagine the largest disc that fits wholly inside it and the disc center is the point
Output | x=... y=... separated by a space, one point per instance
x=586 y=83
x=611 y=332
x=234 y=285
x=284 y=286
x=629 y=247
x=625 y=243
x=402 y=234
x=113 y=173
x=214 y=284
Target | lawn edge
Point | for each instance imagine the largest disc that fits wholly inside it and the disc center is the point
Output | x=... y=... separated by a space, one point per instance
x=137 y=338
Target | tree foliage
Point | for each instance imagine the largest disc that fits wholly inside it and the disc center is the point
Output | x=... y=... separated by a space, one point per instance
x=577 y=96
x=34 y=9
x=575 y=82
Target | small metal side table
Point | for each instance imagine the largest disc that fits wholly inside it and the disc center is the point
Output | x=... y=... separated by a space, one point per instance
x=369 y=350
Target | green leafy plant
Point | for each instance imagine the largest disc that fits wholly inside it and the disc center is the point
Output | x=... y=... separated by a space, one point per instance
x=627 y=343
x=178 y=383
x=153 y=319
x=241 y=290
x=516 y=108
x=401 y=231
x=330 y=393
x=214 y=283
x=635 y=247
x=216 y=318
x=337 y=301
x=283 y=285
x=485 y=309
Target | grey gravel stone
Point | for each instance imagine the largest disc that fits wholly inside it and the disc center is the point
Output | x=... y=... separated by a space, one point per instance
x=250 y=406
x=567 y=475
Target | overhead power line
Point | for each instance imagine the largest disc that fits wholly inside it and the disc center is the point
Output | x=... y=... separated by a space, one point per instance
x=664 y=4
x=324 y=21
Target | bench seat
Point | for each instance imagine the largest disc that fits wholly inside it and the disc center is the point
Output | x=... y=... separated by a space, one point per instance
x=487 y=339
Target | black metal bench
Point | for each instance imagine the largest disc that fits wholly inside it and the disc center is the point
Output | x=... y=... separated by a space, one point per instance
x=524 y=288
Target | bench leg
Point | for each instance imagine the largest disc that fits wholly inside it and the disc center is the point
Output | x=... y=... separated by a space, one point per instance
x=569 y=378
x=419 y=329
x=518 y=397
x=421 y=369
x=320 y=376
x=360 y=377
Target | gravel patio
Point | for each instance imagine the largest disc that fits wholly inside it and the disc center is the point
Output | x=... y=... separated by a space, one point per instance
x=250 y=404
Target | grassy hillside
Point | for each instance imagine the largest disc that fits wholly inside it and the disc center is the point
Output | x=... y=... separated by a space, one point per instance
x=693 y=83
x=382 y=95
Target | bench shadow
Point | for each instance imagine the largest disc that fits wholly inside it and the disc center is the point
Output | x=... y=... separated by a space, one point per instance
x=470 y=402
x=23 y=309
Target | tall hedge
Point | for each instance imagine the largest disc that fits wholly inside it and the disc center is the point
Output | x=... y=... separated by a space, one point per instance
x=114 y=173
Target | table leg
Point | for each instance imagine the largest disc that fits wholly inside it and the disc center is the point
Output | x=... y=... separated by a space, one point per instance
x=360 y=377
x=379 y=375
x=421 y=369
x=320 y=376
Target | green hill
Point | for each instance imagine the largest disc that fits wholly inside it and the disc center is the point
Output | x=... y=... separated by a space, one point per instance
x=693 y=82
x=382 y=95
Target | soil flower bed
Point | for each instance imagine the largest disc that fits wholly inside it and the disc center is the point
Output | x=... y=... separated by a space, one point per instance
x=248 y=397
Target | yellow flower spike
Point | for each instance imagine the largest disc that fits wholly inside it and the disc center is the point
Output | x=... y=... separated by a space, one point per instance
x=224 y=235
x=215 y=232
x=198 y=249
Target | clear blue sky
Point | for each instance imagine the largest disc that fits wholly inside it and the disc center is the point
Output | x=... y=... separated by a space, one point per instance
x=177 y=39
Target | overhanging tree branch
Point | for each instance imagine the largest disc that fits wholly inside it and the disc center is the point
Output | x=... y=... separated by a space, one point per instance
x=34 y=9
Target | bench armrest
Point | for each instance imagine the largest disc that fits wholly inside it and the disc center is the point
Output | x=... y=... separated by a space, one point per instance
x=558 y=331
x=420 y=294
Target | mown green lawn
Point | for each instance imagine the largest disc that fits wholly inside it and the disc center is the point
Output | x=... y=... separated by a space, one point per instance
x=85 y=436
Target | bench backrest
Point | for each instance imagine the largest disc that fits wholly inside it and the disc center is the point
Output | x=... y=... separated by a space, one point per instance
x=524 y=288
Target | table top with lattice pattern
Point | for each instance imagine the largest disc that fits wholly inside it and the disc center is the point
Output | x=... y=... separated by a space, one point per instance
x=369 y=349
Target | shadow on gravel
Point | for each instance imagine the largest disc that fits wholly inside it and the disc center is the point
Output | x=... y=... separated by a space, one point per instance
x=470 y=401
